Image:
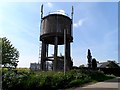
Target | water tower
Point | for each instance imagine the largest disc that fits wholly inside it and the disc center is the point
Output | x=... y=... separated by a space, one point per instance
x=56 y=29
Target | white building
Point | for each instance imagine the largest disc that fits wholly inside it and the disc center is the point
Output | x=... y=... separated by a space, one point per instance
x=34 y=66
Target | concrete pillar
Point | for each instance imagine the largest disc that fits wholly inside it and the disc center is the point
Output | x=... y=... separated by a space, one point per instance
x=55 y=54
x=47 y=46
x=43 y=56
x=68 y=58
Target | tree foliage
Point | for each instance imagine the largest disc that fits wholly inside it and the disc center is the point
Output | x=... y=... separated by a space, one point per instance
x=0 y=51
x=10 y=54
x=113 y=64
x=89 y=57
x=81 y=66
x=94 y=63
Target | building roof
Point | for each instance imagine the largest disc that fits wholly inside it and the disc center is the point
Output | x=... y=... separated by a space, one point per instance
x=104 y=64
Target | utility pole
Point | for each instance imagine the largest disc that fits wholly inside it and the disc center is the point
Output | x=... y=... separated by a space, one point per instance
x=64 y=51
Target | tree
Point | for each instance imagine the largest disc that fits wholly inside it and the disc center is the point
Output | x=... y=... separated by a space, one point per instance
x=89 y=57
x=81 y=66
x=10 y=54
x=94 y=63
x=113 y=64
x=0 y=52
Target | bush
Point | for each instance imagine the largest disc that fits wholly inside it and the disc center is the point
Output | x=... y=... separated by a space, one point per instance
x=11 y=80
x=74 y=83
x=49 y=80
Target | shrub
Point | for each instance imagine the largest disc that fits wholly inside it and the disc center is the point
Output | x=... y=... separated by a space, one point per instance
x=74 y=83
x=49 y=80
x=11 y=80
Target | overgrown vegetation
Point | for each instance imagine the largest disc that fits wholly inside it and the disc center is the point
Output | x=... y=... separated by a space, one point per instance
x=26 y=80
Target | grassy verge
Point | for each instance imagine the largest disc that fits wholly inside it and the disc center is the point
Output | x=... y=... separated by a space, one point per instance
x=50 y=80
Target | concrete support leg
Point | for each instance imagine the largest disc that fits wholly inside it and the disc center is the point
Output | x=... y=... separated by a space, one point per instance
x=47 y=57
x=55 y=54
x=47 y=46
x=43 y=56
x=68 y=58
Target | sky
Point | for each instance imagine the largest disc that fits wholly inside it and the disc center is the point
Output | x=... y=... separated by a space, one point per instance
x=95 y=27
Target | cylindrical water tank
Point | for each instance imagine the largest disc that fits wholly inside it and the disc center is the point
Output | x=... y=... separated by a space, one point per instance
x=53 y=25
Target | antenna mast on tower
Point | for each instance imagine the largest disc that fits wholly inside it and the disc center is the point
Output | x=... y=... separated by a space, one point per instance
x=41 y=11
x=72 y=19
x=40 y=30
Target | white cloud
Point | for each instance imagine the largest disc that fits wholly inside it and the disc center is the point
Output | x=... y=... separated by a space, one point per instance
x=75 y=25
x=49 y=4
x=79 y=23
